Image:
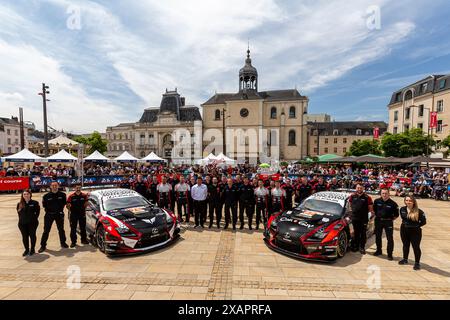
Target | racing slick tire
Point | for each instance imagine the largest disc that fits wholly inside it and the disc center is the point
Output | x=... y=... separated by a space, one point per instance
x=100 y=239
x=342 y=245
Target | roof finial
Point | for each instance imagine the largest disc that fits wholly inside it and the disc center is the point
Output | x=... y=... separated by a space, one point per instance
x=248 y=48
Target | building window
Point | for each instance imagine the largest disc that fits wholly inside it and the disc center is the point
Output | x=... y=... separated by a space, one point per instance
x=345 y=140
x=420 y=125
x=395 y=116
x=326 y=140
x=16 y=132
x=335 y=140
x=9 y=140
x=358 y=132
x=8 y=131
x=439 y=126
x=326 y=150
x=406 y=127
x=395 y=130
x=273 y=113
x=292 y=138
x=424 y=87
x=442 y=83
x=407 y=113
x=344 y=150
x=217 y=115
x=292 y=112
x=335 y=150
x=398 y=97
x=409 y=95
x=421 y=108
x=315 y=150
x=440 y=106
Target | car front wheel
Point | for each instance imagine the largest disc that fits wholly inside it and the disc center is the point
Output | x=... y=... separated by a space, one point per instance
x=100 y=238
x=342 y=244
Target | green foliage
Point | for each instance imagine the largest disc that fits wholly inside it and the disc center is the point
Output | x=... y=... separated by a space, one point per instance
x=410 y=143
x=363 y=147
x=446 y=142
x=92 y=143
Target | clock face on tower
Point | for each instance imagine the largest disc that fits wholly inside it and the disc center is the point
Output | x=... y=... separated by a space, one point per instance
x=244 y=112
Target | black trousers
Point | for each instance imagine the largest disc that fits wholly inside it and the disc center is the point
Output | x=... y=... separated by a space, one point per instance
x=76 y=220
x=28 y=231
x=249 y=209
x=261 y=211
x=388 y=227
x=288 y=205
x=200 y=212
x=164 y=203
x=360 y=234
x=231 y=208
x=215 y=207
x=182 y=206
x=275 y=207
x=413 y=237
x=48 y=222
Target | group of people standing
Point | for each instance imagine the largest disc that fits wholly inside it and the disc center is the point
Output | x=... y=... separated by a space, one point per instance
x=386 y=211
x=236 y=198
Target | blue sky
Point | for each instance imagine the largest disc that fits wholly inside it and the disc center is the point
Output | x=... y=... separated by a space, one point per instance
x=126 y=53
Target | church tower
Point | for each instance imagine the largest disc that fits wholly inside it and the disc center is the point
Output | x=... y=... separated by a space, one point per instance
x=248 y=76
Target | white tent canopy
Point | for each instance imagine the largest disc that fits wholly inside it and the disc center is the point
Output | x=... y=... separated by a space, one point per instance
x=225 y=159
x=96 y=157
x=63 y=140
x=23 y=156
x=153 y=157
x=207 y=160
x=62 y=156
x=126 y=157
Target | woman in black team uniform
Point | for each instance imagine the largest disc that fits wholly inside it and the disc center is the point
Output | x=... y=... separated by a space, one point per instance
x=28 y=211
x=413 y=219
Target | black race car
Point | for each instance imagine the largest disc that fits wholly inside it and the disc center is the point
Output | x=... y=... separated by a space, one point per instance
x=319 y=229
x=121 y=221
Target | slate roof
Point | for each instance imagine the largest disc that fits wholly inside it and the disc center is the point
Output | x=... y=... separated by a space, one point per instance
x=274 y=95
x=348 y=127
x=433 y=85
x=187 y=114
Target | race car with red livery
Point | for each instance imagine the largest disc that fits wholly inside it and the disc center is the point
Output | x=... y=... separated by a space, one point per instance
x=318 y=229
x=121 y=221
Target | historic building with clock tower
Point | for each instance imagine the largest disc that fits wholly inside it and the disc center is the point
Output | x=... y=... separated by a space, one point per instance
x=257 y=123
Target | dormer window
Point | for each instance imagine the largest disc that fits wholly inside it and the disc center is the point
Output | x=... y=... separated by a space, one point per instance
x=358 y=132
x=273 y=113
x=335 y=132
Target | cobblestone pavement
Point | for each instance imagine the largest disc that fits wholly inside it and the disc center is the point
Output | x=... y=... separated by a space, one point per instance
x=213 y=264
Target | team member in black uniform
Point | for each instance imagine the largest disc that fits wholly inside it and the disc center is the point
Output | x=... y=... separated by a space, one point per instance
x=230 y=199
x=386 y=211
x=76 y=203
x=153 y=190
x=361 y=204
x=182 y=190
x=28 y=211
x=303 y=191
x=54 y=203
x=214 y=198
x=413 y=219
x=320 y=186
x=246 y=196
x=140 y=186
x=289 y=192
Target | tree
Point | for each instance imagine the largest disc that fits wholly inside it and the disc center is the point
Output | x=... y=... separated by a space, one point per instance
x=93 y=143
x=410 y=143
x=446 y=142
x=363 y=147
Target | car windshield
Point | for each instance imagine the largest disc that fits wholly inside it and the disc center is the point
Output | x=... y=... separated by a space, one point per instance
x=123 y=203
x=323 y=206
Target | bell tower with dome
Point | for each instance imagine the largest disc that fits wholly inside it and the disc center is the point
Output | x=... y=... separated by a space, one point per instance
x=248 y=75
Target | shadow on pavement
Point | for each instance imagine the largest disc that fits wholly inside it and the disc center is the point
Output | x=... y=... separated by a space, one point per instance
x=37 y=258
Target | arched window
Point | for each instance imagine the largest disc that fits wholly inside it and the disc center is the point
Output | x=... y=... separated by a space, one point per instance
x=167 y=139
x=217 y=114
x=409 y=95
x=273 y=113
x=358 y=132
x=335 y=132
x=292 y=112
x=292 y=138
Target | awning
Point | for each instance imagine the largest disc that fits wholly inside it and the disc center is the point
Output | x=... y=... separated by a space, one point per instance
x=126 y=157
x=96 y=157
x=153 y=157
x=62 y=156
x=23 y=156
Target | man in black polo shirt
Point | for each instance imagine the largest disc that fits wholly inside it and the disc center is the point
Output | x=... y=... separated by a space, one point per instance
x=386 y=211
x=304 y=190
x=246 y=198
x=54 y=203
x=140 y=186
x=361 y=204
x=76 y=203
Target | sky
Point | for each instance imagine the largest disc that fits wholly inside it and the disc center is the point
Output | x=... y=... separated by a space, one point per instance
x=106 y=61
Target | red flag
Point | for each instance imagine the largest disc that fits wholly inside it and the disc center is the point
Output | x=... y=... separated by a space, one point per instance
x=376 y=133
x=433 y=120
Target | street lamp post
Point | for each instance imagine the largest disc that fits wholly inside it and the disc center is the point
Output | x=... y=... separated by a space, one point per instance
x=223 y=131
x=44 y=106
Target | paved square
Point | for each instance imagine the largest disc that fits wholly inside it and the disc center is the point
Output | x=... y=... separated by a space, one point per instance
x=213 y=264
